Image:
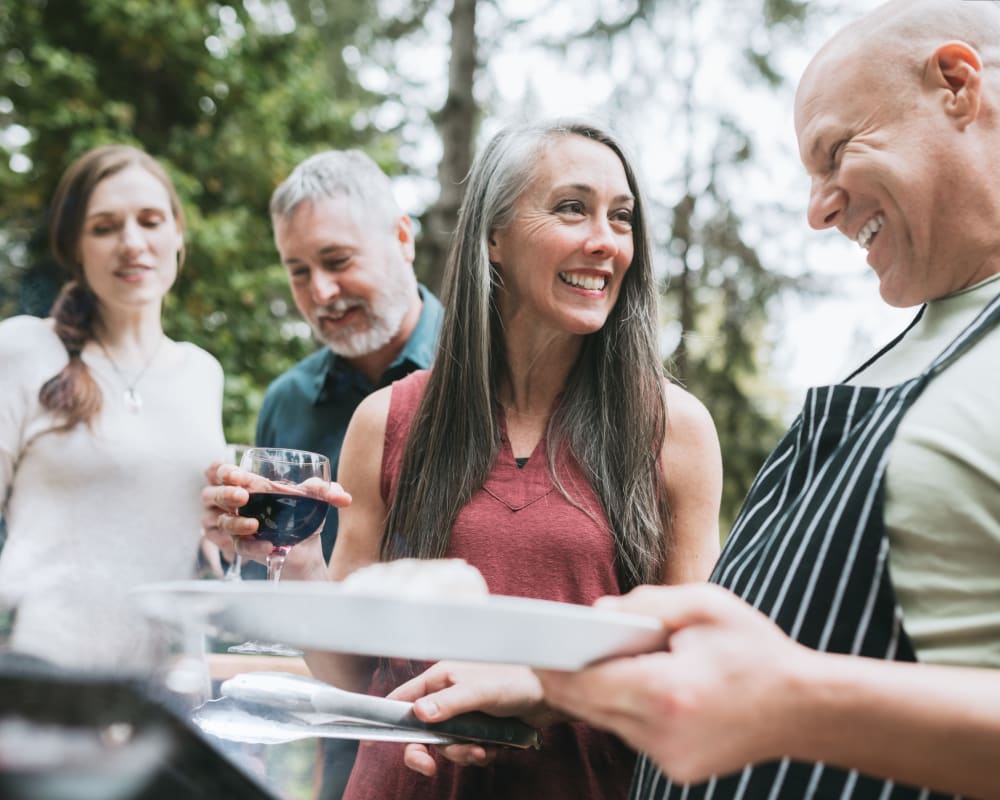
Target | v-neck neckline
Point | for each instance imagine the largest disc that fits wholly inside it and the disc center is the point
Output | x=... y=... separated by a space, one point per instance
x=506 y=445
x=518 y=487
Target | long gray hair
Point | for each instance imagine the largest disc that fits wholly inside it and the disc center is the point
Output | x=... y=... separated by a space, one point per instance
x=611 y=415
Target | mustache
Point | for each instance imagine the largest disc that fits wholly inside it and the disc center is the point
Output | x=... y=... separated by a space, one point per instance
x=339 y=307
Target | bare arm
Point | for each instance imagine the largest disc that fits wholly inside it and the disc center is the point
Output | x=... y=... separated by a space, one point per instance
x=692 y=467
x=359 y=529
x=692 y=470
x=733 y=690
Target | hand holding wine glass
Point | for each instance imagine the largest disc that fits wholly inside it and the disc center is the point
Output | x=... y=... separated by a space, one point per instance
x=287 y=498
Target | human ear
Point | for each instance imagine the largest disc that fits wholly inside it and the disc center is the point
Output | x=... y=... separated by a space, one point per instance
x=493 y=248
x=404 y=234
x=957 y=68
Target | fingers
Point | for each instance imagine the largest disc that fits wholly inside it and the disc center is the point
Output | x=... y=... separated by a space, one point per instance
x=678 y=606
x=470 y=755
x=454 y=699
x=329 y=491
x=211 y=471
x=253 y=549
x=436 y=677
x=435 y=695
x=418 y=758
x=220 y=504
x=455 y=687
x=413 y=689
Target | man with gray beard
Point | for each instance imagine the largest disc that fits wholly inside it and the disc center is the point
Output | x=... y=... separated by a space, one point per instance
x=349 y=254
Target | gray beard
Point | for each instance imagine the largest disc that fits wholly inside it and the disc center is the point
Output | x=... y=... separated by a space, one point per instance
x=384 y=317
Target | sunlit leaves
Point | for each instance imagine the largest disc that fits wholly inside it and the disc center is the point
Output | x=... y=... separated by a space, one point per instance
x=229 y=101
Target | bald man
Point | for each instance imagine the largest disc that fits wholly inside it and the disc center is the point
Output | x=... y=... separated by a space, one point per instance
x=851 y=645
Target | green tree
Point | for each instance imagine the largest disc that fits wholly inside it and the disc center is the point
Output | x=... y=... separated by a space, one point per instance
x=229 y=100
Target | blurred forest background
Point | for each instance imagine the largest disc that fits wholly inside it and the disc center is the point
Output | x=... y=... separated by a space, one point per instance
x=230 y=95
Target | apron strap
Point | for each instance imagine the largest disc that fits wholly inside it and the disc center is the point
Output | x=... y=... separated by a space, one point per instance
x=979 y=327
x=889 y=346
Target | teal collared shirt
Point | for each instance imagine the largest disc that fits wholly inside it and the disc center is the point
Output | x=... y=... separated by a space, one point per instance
x=308 y=406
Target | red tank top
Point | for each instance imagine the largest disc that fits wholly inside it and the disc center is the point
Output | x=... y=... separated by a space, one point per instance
x=529 y=541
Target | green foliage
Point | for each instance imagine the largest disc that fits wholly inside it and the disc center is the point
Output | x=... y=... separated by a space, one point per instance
x=229 y=102
x=723 y=352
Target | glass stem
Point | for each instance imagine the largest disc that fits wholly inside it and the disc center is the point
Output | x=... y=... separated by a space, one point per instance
x=235 y=571
x=275 y=562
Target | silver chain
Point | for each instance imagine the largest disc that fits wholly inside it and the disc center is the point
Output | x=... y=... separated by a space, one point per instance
x=133 y=400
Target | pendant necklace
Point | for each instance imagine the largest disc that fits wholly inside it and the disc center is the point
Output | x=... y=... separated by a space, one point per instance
x=133 y=400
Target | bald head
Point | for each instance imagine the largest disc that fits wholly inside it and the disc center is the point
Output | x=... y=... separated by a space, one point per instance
x=889 y=52
x=896 y=39
x=898 y=121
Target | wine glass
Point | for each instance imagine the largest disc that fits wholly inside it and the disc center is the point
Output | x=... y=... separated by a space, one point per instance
x=287 y=510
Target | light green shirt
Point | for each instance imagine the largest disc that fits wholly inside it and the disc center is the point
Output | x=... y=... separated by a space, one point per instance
x=942 y=509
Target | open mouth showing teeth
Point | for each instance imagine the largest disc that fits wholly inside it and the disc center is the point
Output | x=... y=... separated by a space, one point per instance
x=869 y=230
x=336 y=314
x=592 y=283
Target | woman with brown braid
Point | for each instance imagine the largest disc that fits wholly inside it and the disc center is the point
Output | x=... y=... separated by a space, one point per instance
x=105 y=423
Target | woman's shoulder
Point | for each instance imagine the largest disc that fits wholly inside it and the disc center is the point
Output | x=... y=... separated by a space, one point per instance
x=193 y=354
x=415 y=381
x=26 y=325
x=688 y=419
x=28 y=337
x=389 y=410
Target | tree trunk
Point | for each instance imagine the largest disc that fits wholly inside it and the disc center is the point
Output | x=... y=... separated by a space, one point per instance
x=456 y=123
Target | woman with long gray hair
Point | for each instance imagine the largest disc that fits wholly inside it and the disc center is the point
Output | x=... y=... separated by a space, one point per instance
x=545 y=447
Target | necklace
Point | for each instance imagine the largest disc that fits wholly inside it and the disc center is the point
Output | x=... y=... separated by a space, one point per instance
x=133 y=400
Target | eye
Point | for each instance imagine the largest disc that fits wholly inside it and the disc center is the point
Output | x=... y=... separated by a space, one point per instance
x=836 y=151
x=102 y=229
x=622 y=217
x=152 y=220
x=570 y=207
x=336 y=264
x=298 y=274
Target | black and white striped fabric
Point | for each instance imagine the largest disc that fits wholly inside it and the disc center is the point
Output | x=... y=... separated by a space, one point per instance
x=809 y=549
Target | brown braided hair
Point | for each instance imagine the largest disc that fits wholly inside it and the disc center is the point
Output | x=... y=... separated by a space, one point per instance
x=73 y=393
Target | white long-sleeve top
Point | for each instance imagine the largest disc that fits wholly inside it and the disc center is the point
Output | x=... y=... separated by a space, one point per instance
x=97 y=510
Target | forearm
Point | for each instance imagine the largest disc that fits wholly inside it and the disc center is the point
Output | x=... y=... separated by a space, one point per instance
x=342 y=670
x=920 y=724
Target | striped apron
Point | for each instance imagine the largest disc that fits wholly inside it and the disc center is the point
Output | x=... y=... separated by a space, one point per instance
x=809 y=550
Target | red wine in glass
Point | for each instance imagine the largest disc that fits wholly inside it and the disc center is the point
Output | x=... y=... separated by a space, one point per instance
x=284 y=519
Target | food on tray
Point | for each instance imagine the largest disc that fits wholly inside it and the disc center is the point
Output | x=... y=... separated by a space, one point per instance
x=450 y=578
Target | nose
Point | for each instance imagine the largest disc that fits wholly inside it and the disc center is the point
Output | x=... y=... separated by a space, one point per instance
x=826 y=205
x=323 y=286
x=602 y=240
x=132 y=236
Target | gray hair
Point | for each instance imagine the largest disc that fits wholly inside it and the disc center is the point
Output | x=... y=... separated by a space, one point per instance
x=336 y=173
x=454 y=438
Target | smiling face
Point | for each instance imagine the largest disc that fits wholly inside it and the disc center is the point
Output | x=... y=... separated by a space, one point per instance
x=563 y=256
x=885 y=149
x=352 y=282
x=130 y=240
